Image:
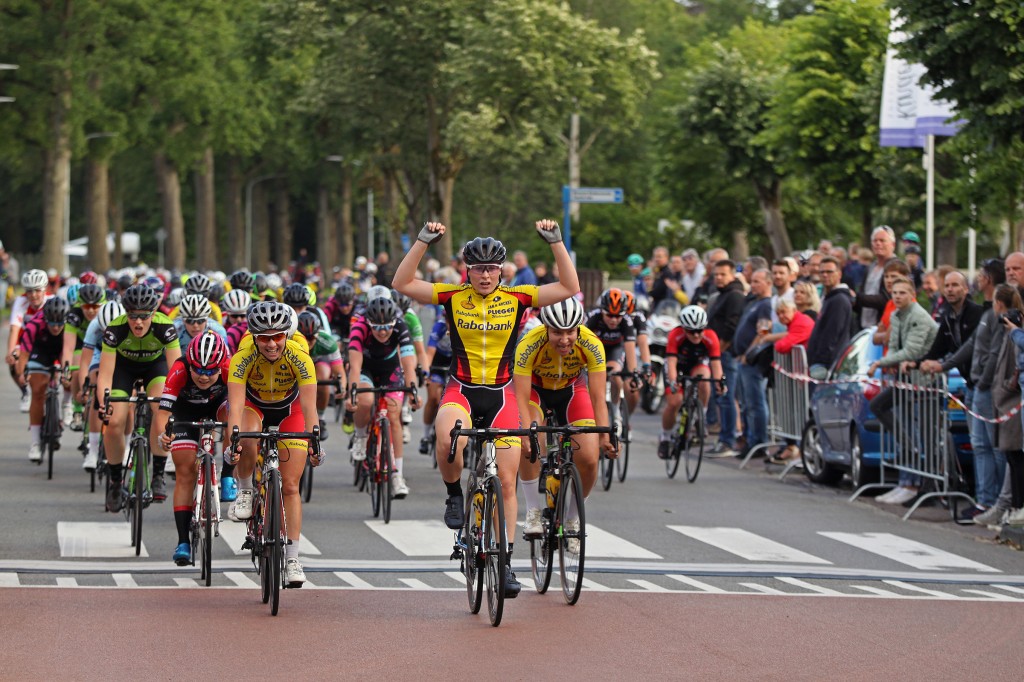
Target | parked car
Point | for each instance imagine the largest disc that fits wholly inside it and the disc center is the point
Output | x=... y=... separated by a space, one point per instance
x=842 y=435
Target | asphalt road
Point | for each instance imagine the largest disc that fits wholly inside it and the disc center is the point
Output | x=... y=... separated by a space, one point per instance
x=738 y=575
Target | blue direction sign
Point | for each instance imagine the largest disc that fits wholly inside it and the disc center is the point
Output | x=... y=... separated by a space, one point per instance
x=595 y=195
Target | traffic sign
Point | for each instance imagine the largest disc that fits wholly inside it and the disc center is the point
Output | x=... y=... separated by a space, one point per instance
x=596 y=195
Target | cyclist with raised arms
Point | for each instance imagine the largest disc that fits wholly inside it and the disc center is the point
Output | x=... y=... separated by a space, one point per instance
x=380 y=353
x=549 y=374
x=139 y=345
x=693 y=350
x=41 y=345
x=483 y=321
x=196 y=389
x=614 y=327
x=272 y=383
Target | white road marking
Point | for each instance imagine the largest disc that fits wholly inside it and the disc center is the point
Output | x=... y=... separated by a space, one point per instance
x=649 y=586
x=234 y=535
x=796 y=582
x=240 y=579
x=186 y=582
x=89 y=539
x=693 y=582
x=1009 y=588
x=9 y=580
x=456 y=576
x=909 y=552
x=353 y=580
x=596 y=587
x=748 y=545
x=763 y=589
x=416 y=538
x=415 y=584
x=123 y=580
x=923 y=590
x=882 y=593
x=527 y=583
x=994 y=596
x=67 y=582
x=605 y=545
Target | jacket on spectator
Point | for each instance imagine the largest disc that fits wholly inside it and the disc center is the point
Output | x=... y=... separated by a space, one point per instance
x=874 y=301
x=797 y=333
x=746 y=329
x=955 y=331
x=995 y=346
x=1006 y=392
x=693 y=280
x=659 y=290
x=832 y=330
x=912 y=333
x=724 y=313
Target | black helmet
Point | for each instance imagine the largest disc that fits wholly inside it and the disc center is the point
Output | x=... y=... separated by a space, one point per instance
x=269 y=316
x=242 y=279
x=309 y=323
x=125 y=281
x=55 y=310
x=198 y=284
x=382 y=311
x=140 y=297
x=401 y=300
x=345 y=293
x=259 y=283
x=295 y=294
x=483 y=250
x=91 y=294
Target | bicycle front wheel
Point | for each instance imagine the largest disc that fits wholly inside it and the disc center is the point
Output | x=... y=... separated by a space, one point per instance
x=306 y=482
x=274 y=545
x=693 y=443
x=607 y=471
x=542 y=553
x=675 y=450
x=573 y=534
x=373 y=473
x=208 y=512
x=385 y=471
x=472 y=538
x=622 y=461
x=49 y=434
x=495 y=549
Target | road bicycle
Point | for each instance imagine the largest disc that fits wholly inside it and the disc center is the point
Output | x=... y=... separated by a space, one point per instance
x=205 y=506
x=688 y=440
x=609 y=468
x=53 y=427
x=482 y=543
x=379 y=464
x=88 y=393
x=267 y=528
x=137 y=488
x=563 y=520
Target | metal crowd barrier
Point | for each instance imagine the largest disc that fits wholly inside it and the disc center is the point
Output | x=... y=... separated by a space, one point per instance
x=921 y=441
x=788 y=404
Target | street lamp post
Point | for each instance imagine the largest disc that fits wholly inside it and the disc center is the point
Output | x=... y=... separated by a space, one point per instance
x=248 y=216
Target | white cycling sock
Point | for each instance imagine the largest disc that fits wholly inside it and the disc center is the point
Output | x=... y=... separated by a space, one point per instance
x=94 y=444
x=361 y=431
x=666 y=435
x=291 y=550
x=530 y=493
x=244 y=483
x=398 y=465
x=34 y=433
x=570 y=514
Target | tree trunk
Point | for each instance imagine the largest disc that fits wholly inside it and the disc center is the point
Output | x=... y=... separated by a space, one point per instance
x=236 y=223
x=326 y=232
x=446 y=247
x=740 y=246
x=206 y=215
x=117 y=222
x=345 y=242
x=395 y=221
x=97 y=210
x=169 y=184
x=866 y=226
x=58 y=176
x=260 y=229
x=283 y=236
x=770 y=200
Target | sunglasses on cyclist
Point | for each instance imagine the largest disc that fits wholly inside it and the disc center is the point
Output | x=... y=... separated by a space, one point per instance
x=485 y=268
x=276 y=337
x=139 y=316
x=382 y=327
x=90 y=306
x=204 y=372
x=195 y=320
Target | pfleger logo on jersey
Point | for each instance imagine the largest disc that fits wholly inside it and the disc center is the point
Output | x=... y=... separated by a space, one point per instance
x=488 y=327
x=502 y=311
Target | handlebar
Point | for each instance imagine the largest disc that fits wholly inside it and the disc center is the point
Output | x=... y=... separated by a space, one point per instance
x=567 y=431
x=312 y=436
x=489 y=434
x=383 y=389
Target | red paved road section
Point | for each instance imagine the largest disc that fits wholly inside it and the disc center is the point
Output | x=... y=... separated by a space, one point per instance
x=80 y=634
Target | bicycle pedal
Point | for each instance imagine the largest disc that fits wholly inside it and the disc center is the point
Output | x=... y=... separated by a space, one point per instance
x=248 y=544
x=456 y=553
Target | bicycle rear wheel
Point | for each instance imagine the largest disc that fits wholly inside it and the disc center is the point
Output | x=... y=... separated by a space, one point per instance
x=208 y=511
x=306 y=482
x=385 y=471
x=472 y=537
x=693 y=442
x=675 y=450
x=607 y=471
x=373 y=473
x=542 y=553
x=622 y=461
x=274 y=547
x=572 y=541
x=48 y=433
x=495 y=549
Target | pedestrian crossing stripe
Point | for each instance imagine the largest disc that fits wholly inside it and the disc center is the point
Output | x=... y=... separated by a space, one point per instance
x=431 y=539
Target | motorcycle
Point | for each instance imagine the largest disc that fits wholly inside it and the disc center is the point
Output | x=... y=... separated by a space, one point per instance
x=664 y=319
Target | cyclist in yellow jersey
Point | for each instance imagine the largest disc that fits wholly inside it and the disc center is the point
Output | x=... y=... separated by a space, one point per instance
x=550 y=360
x=272 y=382
x=483 y=320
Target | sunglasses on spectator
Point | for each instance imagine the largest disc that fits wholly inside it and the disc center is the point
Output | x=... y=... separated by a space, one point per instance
x=382 y=327
x=481 y=269
x=276 y=337
x=828 y=272
x=195 y=320
x=139 y=316
x=204 y=372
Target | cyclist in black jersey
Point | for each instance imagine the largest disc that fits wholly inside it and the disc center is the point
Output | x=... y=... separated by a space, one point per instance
x=614 y=327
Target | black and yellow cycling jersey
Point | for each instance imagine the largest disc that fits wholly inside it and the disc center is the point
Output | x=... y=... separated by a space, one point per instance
x=484 y=329
x=537 y=358
x=271 y=384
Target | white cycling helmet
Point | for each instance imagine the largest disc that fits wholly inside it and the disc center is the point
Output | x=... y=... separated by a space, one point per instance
x=34 y=280
x=195 y=306
x=378 y=291
x=111 y=310
x=174 y=298
x=236 y=302
x=693 y=318
x=274 y=281
x=293 y=326
x=567 y=314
